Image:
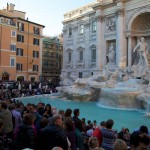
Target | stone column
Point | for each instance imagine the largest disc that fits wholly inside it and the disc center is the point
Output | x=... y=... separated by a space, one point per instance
x=120 y=48
x=99 y=43
x=129 y=53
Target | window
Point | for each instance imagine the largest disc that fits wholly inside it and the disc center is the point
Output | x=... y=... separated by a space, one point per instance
x=19 y=67
x=70 y=31
x=19 y=52
x=93 y=55
x=35 y=41
x=93 y=26
x=13 y=47
x=20 y=38
x=20 y=26
x=13 y=33
x=35 y=68
x=35 y=54
x=81 y=29
x=81 y=55
x=80 y=74
x=1 y=19
x=36 y=30
x=69 y=56
x=12 y=62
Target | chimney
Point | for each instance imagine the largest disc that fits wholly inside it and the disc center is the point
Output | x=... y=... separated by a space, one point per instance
x=11 y=7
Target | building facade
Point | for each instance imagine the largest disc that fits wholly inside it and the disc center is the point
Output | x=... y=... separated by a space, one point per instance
x=20 y=46
x=102 y=33
x=52 y=58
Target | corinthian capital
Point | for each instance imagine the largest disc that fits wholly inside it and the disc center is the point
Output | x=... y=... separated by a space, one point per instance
x=120 y=12
x=100 y=18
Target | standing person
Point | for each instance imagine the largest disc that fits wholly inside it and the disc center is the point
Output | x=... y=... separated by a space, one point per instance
x=26 y=134
x=53 y=135
x=97 y=132
x=109 y=135
x=79 y=136
x=47 y=111
x=6 y=116
x=75 y=118
x=70 y=133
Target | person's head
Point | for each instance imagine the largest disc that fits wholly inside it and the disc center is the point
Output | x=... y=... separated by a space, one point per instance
x=144 y=129
x=29 y=119
x=12 y=106
x=3 y=106
x=43 y=122
x=61 y=112
x=68 y=112
x=139 y=141
x=109 y=123
x=94 y=122
x=57 y=148
x=120 y=145
x=89 y=122
x=103 y=124
x=32 y=108
x=48 y=108
x=76 y=112
x=57 y=119
x=93 y=142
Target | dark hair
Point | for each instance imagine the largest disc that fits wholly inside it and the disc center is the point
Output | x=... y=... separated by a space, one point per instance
x=144 y=129
x=4 y=105
x=138 y=137
x=68 y=112
x=69 y=125
x=103 y=123
x=109 y=123
x=76 y=112
x=43 y=122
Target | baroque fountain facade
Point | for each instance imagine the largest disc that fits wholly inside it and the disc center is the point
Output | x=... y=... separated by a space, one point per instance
x=107 y=53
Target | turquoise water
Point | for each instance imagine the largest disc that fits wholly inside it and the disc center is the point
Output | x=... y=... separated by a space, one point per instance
x=131 y=119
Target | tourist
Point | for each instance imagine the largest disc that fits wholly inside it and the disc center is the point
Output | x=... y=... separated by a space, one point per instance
x=47 y=111
x=97 y=132
x=109 y=135
x=26 y=133
x=120 y=145
x=17 y=117
x=78 y=136
x=57 y=148
x=68 y=114
x=94 y=144
x=124 y=134
x=90 y=130
x=139 y=141
x=75 y=118
x=94 y=124
x=6 y=116
x=53 y=135
x=70 y=132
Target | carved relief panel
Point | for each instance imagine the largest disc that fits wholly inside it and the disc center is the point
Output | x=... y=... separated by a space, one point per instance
x=110 y=24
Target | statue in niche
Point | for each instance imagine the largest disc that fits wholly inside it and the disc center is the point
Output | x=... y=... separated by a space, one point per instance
x=143 y=57
x=111 y=53
x=110 y=24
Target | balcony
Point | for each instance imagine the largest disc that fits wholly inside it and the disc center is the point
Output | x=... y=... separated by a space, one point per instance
x=69 y=64
x=80 y=63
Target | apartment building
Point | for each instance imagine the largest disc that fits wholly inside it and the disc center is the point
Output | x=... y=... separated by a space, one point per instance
x=20 y=46
x=52 y=58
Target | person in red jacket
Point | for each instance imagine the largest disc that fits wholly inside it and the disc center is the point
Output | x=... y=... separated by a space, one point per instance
x=97 y=132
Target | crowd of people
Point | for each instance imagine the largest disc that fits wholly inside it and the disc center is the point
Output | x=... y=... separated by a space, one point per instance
x=42 y=127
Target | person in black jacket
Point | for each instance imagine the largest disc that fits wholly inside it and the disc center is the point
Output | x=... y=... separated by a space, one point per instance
x=25 y=136
x=52 y=135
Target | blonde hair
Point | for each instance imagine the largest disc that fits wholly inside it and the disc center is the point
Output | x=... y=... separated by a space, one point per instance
x=120 y=145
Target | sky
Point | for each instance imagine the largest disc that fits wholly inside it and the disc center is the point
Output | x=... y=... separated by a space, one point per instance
x=46 y=12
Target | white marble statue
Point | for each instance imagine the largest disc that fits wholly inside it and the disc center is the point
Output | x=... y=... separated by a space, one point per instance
x=111 y=53
x=142 y=53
